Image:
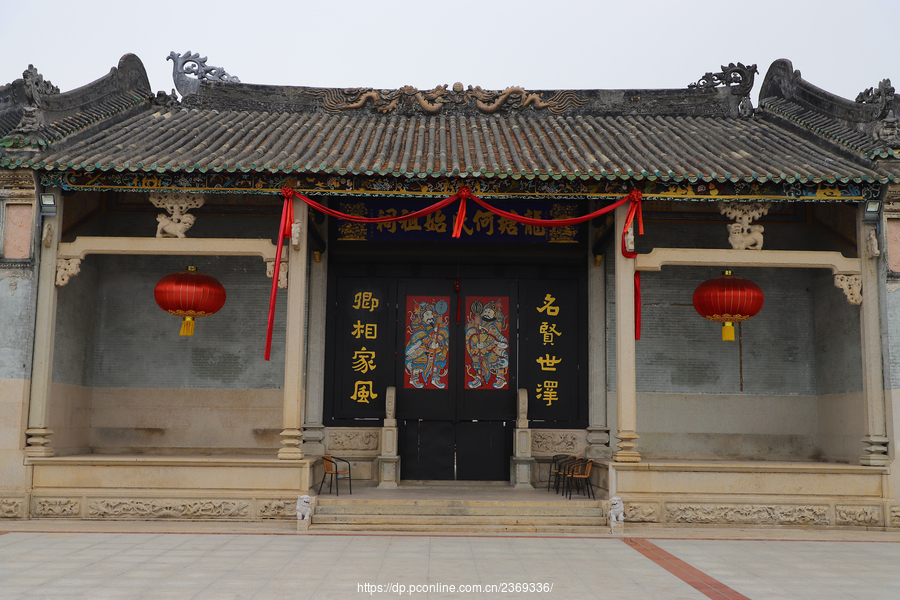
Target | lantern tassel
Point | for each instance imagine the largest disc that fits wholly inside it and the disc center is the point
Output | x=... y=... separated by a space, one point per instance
x=727 y=331
x=187 y=326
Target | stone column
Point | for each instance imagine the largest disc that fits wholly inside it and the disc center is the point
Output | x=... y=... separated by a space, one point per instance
x=870 y=327
x=598 y=431
x=313 y=429
x=38 y=430
x=294 y=355
x=626 y=382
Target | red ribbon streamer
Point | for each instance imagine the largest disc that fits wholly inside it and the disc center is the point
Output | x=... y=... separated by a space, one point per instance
x=284 y=231
x=287 y=219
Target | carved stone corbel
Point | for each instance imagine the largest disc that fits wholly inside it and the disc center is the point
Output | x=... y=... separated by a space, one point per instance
x=178 y=221
x=852 y=286
x=65 y=269
x=282 y=273
x=741 y=234
x=872 y=250
x=295 y=235
x=629 y=239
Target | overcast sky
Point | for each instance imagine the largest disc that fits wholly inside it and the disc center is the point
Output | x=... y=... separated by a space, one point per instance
x=843 y=46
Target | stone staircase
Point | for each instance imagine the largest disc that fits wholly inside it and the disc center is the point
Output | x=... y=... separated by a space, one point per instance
x=572 y=516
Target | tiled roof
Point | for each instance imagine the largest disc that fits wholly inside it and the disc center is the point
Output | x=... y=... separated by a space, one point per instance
x=696 y=134
x=515 y=145
x=63 y=115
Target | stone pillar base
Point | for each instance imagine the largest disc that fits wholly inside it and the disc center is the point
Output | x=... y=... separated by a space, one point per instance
x=39 y=442
x=387 y=471
x=520 y=470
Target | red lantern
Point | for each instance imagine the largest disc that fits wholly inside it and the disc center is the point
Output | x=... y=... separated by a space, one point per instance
x=189 y=294
x=728 y=299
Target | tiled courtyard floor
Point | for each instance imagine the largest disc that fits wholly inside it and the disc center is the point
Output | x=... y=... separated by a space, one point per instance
x=72 y=559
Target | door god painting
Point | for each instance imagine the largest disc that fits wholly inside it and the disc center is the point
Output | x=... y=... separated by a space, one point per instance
x=487 y=342
x=427 y=343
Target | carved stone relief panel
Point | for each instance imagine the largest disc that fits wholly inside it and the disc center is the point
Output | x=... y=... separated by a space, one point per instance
x=857 y=515
x=747 y=514
x=171 y=509
x=277 y=509
x=642 y=512
x=895 y=516
x=11 y=508
x=353 y=438
x=56 y=507
x=553 y=441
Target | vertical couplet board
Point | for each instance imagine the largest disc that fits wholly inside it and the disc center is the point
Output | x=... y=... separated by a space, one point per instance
x=554 y=350
x=364 y=346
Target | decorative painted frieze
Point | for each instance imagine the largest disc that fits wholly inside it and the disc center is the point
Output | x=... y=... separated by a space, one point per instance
x=11 y=508
x=353 y=439
x=56 y=507
x=496 y=188
x=747 y=514
x=857 y=515
x=852 y=286
x=172 y=509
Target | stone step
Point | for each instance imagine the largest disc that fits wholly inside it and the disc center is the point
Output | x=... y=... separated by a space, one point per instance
x=408 y=527
x=540 y=511
x=404 y=520
x=549 y=504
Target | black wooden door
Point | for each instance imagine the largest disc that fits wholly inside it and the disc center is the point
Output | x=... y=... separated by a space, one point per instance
x=456 y=368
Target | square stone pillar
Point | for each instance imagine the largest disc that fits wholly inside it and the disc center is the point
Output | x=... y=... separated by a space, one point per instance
x=626 y=380
x=522 y=465
x=387 y=465
x=876 y=440
x=38 y=430
x=294 y=352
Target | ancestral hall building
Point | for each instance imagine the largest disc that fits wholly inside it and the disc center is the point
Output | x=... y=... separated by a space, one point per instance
x=473 y=340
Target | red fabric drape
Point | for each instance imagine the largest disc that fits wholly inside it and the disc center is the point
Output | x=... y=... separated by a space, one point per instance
x=634 y=212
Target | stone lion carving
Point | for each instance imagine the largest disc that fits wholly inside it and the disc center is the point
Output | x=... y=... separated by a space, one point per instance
x=304 y=507
x=753 y=240
x=616 y=511
x=173 y=226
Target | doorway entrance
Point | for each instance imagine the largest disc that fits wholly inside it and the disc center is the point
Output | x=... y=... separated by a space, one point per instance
x=457 y=381
x=456 y=348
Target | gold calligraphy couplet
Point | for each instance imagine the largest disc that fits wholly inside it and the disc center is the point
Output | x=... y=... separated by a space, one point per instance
x=547 y=391
x=363 y=360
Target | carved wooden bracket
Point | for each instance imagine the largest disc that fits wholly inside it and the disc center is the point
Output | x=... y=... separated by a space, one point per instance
x=852 y=286
x=741 y=234
x=178 y=221
x=282 y=273
x=65 y=269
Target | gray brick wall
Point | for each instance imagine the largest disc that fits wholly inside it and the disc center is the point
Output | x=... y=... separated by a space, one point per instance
x=838 y=356
x=137 y=344
x=76 y=315
x=17 y=303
